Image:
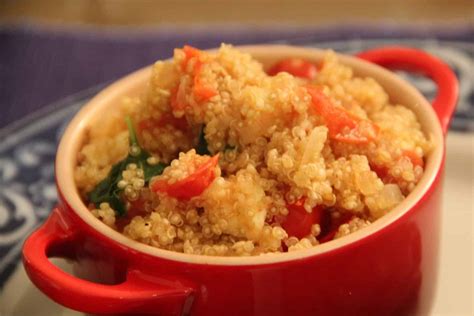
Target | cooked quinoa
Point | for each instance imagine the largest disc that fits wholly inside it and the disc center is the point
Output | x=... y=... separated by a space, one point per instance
x=288 y=161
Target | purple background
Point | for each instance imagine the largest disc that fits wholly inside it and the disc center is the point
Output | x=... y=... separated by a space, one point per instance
x=42 y=65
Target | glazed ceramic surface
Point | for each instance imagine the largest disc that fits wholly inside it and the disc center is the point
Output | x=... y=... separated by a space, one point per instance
x=387 y=268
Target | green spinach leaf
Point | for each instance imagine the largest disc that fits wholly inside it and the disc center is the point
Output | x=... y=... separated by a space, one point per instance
x=108 y=191
x=201 y=148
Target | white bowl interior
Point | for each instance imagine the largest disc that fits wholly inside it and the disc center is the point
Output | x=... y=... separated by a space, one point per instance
x=399 y=91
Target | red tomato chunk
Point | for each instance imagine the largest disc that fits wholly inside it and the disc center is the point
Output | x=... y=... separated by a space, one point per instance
x=298 y=222
x=191 y=186
x=295 y=66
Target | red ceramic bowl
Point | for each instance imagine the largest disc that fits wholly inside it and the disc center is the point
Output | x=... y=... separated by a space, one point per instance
x=388 y=268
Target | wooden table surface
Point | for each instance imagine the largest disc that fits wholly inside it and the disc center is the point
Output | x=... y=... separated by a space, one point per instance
x=188 y=12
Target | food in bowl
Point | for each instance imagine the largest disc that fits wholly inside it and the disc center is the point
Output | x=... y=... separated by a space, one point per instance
x=220 y=157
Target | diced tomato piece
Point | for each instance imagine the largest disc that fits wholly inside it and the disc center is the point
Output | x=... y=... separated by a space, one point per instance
x=204 y=92
x=414 y=158
x=145 y=124
x=191 y=186
x=180 y=123
x=329 y=236
x=342 y=125
x=298 y=222
x=332 y=226
x=190 y=52
x=197 y=68
x=383 y=171
x=295 y=66
x=201 y=90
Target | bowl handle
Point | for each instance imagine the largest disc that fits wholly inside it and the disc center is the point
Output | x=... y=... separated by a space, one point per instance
x=418 y=61
x=135 y=295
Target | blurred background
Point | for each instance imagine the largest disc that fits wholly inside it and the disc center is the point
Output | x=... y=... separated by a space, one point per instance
x=77 y=44
x=55 y=55
x=103 y=13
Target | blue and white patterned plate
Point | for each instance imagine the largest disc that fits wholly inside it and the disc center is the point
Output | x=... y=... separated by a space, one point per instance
x=27 y=187
x=27 y=149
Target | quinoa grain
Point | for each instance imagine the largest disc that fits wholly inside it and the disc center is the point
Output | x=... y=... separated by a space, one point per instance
x=274 y=151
